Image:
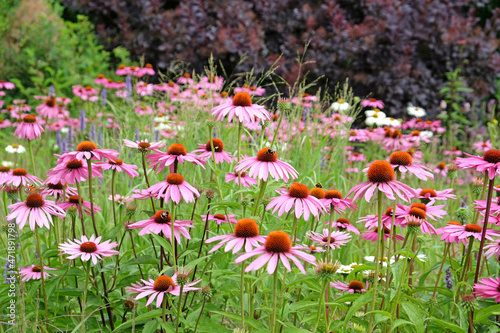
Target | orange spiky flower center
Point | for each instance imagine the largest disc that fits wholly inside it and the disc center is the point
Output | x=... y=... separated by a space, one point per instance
x=267 y=155
x=420 y=206
x=357 y=286
x=115 y=162
x=317 y=192
x=74 y=199
x=333 y=194
x=430 y=191
x=441 y=166
x=175 y=179
x=74 y=164
x=34 y=201
x=36 y=269
x=57 y=186
x=343 y=221
x=400 y=158
x=246 y=228
x=417 y=212
x=473 y=228
x=278 y=242
x=162 y=216
x=242 y=99
x=163 y=283
x=380 y=172
x=177 y=149
x=19 y=172
x=88 y=247
x=218 y=145
x=298 y=190
x=492 y=156
x=86 y=146
x=29 y=119
x=4 y=169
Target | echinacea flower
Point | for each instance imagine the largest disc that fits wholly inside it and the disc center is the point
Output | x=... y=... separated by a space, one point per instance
x=335 y=240
x=35 y=272
x=373 y=102
x=161 y=221
x=299 y=199
x=246 y=180
x=488 y=288
x=343 y=224
x=219 y=218
x=120 y=199
x=277 y=247
x=266 y=163
x=72 y=171
x=242 y=108
x=205 y=151
x=246 y=233
x=20 y=177
x=482 y=147
x=441 y=169
x=352 y=287
x=432 y=212
x=89 y=248
x=6 y=85
x=429 y=195
x=492 y=249
x=371 y=221
x=35 y=210
x=174 y=188
x=57 y=190
x=119 y=166
x=381 y=177
x=87 y=150
x=462 y=232
x=489 y=162
x=333 y=200
x=160 y=287
x=449 y=235
x=372 y=235
x=74 y=201
x=176 y=153
x=29 y=128
x=144 y=146
x=401 y=161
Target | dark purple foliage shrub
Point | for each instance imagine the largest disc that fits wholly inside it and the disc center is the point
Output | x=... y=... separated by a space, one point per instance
x=399 y=50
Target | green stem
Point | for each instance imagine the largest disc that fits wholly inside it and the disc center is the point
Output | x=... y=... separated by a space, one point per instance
x=332 y=211
x=263 y=185
x=294 y=229
x=320 y=306
x=31 y=157
x=242 y=293
x=113 y=195
x=38 y=248
x=172 y=222
x=179 y=311
x=85 y=287
x=380 y=231
x=89 y=165
x=275 y=292
x=80 y=210
x=163 y=310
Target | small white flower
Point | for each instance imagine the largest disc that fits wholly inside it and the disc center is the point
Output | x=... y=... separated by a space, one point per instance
x=382 y=260
x=415 y=111
x=375 y=121
x=8 y=164
x=15 y=149
x=392 y=122
x=340 y=105
x=64 y=130
x=376 y=113
x=428 y=134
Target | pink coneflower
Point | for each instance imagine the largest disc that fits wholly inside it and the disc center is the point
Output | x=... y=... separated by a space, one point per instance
x=121 y=199
x=394 y=140
x=432 y=212
x=205 y=151
x=381 y=176
x=6 y=85
x=74 y=200
x=246 y=180
x=492 y=249
x=372 y=235
x=373 y=102
x=85 y=93
x=333 y=200
x=173 y=188
x=251 y=90
x=48 y=109
x=489 y=162
x=242 y=108
x=162 y=285
x=148 y=70
x=371 y=221
x=447 y=232
x=72 y=171
x=266 y=163
x=453 y=152
x=101 y=79
x=88 y=249
x=57 y=190
x=344 y=224
x=4 y=172
x=36 y=210
x=480 y=205
x=441 y=169
x=35 y=272
x=144 y=146
x=488 y=288
x=88 y=150
x=161 y=221
x=336 y=239
x=19 y=177
x=246 y=233
x=299 y=199
x=4 y=123
x=356 y=157
x=430 y=195
x=277 y=247
x=462 y=232
x=401 y=161
x=185 y=79
x=176 y=153
x=119 y=166
x=219 y=218
x=310 y=248
x=358 y=135
x=29 y=128
x=352 y=287
x=482 y=147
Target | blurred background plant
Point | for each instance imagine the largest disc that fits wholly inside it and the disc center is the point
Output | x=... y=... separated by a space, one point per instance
x=39 y=49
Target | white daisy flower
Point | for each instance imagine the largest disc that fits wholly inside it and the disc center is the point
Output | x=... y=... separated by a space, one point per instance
x=15 y=149
x=340 y=105
x=415 y=111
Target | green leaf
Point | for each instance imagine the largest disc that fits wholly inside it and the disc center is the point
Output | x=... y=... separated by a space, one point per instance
x=236 y=317
x=295 y=330
x=415 y=316
x=150 y=327
x=448 y=325
x=362 y=300
x=151 y=314
x=486 y=312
